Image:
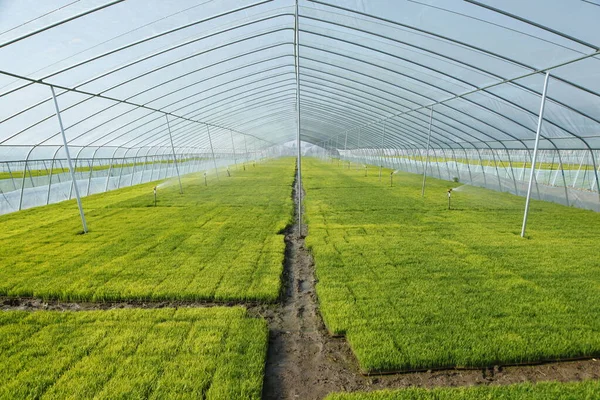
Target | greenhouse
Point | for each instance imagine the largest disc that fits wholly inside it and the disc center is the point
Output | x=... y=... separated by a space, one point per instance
x=300 y=199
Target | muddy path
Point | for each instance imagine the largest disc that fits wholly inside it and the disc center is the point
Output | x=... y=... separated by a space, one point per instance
x=305 y=362
x=37 y=304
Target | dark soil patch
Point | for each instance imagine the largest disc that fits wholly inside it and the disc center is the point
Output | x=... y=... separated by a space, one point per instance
x=36 y=304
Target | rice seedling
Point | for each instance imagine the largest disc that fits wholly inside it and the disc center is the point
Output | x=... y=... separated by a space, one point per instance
x=212 y=353
x=414 y=285
x=524 y=391
x=218 y=242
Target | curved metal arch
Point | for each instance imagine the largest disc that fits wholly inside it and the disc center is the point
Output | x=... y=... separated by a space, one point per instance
x=523 y=65
x=350 y=103
x=263 y=117
x=113 y=51
x=345 y=93
x=248 y=104
x=259 y=105
x=467 y=83
x=99 y=96
x=418 y=108
x=189 y=121
x=253 y=52
x=277 y=102
x=497 y=114
x=455 y=41
x=113 y=131
x=328 y=114
x=197 y=54
x=262 y=72
x=467 y=66
x=462 y=98
x=339 y=106
x=248 y=95
x=114 y=105
x=194 y=113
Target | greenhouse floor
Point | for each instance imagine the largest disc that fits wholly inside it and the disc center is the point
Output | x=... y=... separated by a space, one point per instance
x=304 y=360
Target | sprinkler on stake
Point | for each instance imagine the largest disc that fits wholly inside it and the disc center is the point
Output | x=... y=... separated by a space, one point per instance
x=154 y=196
x=228 y=174
x=205 y=182
x=391 y=178
x=449 y=196
x=365 y=170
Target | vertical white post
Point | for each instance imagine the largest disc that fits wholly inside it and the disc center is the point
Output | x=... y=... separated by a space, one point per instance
x=382 y=159
x=212 y=151
x=299 y=157
x=357 y=149
x=174 y=156
x=233 y=147
x=345 y=146
x=71 y=170
x=427 y=155
x=535 y=151
x=246 y=148
x=90 y=177
x=50 y=182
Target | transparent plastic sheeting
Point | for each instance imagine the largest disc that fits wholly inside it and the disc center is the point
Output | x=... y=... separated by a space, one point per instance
x=572 y=184
x=143 y=78
x=19 y=191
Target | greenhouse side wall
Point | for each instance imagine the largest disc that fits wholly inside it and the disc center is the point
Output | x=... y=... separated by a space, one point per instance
x=41 y=182
x=572 y=182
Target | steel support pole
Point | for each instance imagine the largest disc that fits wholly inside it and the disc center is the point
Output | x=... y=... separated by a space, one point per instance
x=90 y=177
x=212 y=151
x=233 y=147
x=50 y=182
x=427 y=155
x=174 y=156
x=382 y=145
x=535 y=151
x=345 y=145
x=246 y=149
x=121 y=173
x=357 y=148
x=11 y=176
x=299 y=157
x=62 y=131
x=109 y=172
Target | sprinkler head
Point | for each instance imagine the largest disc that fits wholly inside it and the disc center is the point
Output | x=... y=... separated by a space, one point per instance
x=449 y=192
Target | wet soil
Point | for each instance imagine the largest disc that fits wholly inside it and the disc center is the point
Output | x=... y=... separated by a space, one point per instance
x=36 y=304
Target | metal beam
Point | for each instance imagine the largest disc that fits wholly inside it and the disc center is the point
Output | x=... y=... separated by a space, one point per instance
x=71 y=170
x=535 y=151
x=299 y=160
x=174 y=156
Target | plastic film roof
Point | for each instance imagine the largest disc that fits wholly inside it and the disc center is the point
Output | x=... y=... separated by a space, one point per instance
x=370 y=74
